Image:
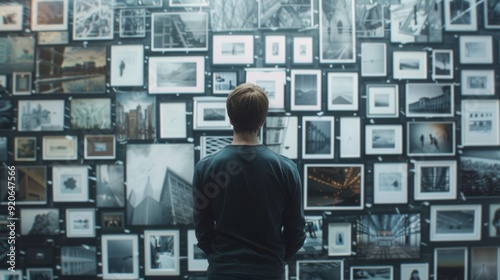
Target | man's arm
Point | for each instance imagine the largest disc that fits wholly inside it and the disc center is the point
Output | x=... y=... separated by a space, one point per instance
x=202 y=215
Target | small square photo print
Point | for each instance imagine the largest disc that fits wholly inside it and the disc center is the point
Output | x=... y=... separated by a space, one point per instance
x=25 y=148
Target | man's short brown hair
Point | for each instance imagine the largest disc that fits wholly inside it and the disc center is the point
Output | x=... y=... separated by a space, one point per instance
x=247 y=107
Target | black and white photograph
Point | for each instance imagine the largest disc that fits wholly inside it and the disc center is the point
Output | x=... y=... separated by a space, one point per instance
x=370 y=20
x=479 y=173
x=282 y=135
x=159 y=200
x=373 y=59
x=232 y=49
x=12 y=16
x=491 y=15
x=302 y=50
x=127 y=66
x=320 y=270
x=435 y=180
x=429 y=100
x=90 y=113
x=11 y=275
x=3 y=149
x=120 y=256
x=442 y=64
x=272 y=81
x=455 y=222
x=305 y=90
x=52 y=37
x=80 y=70
x=135 y=116
x=484 y=263
x=337 y=32
x=21 y=83
x=18 y=54
x=342 y=91
x=132 y=23
x=476 y=49
x=275 y=49
x=99 y=146
x=186 y=31
x=80 y=222
x=70 y=183
x=84 y=264
x=477 y=82
x=414 y=21
x=40 y=115
x=173 y=122
x=210 y=114
x=382 y=100
x=176 y=74
x=414 y=271
x=233 y=15
x=289 y=14
x=494 y=220
x=450 y=263
x=212 y=144
x=49 y=15
x=339 y=239
x=480 y=122
x=224 y=81
x=197 y=259
x=409 y=65
x=39 y=221
x=383 y=139
x=110 y=188
x=318 y=137
x=333 y=186
x=460 y=15
x=3 y=83
x=40 y=256
x=161 y=252
x=313 y=245
x=39 y=273
x=350 y=140
x=93 y=20
x=112 y=221
x=187 y=3
x=390 y=183
x=371 y=272
x=431 y=138
x=25 y=148
x=57 y=147
x=137 y=3
x=31 y=185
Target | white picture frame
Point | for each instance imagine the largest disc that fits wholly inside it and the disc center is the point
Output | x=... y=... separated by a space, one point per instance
x=305 y=90
x=163 y=39
x=197 y=260
x=409 y=65
x=414 y=270
x=275 y=49
x=272 y=81
x=127 y=66
x=85 y=27
x=314 y=127
x=210 y=113
x=70 y=183
x=124 y=248
x=373 y=59
x=49 y=15
x=80 y=222
x=377 y=272
x=350 y=137
x=232 y=49
x=21 y=83
x=14 y=17
x=383 y=139
x=339 y=239
x=343 y=91
x=164 y=246
x=480 y=122
x=435 y=180
x=382 y=100
x=167 y=74
x=302 y=50
x=442 y=64
x=390 y=183
x=477 y=82
x=476 y=49
x=173 y=123
x=56 y=147
x=429 y=100
x=464 y=219
x=460 y=17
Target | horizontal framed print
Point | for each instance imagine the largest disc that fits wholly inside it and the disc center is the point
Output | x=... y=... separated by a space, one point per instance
x=100 y=146
x=86 y=254
x=480 y=122
x=334 y=186
x=272 y=81
x=373 y=59
x=120 y=256
x=478 y=173
x=460 y=15
x=12 y=16
x=350 y=137
x=383 y=139
x=342 y=91
x=39 y=221
x=476 y=49
x=302 y=50
x=315 y=269
x=112 y=221
x=339 y=239
x=293 y=14
x=39 y=273
x=85 y=25
x=477 y=82
x=185 y=31
x=52 y=37
x=127 y=66
x=40 y=255
x=197 y=259
x=176 y=74
x=25 y=148
x=390 y=183
x=210 y=114
x=49 y=15
x=224 y=81
x=429 y=100
x=212 y=144
x=80 y=222
x=372 y=26
x=442 y=64
x=450 y=263
x=31 y=185
x=305 y=90
x=494 y=220
x=413 y=21
x=275 y=49
x=70 y=183
x=415 y=271
x=221 y=20
x=90 y=113
x=409 y=65
x=40 y=115
x=491 y=17
x=232 y=49
x=21 y=83
x=133 y=23
x=161 y=252
x=318 y=137
x=382 y=101
x=59 y=147
x=11 y=275
x=173 y=123
x=373 y=272
x=138 y=3
x=186 y=3
x=435 y=180
x=455 y=222
x=431 y=138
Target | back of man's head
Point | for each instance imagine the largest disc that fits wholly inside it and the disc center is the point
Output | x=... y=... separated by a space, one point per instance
x=247 y=107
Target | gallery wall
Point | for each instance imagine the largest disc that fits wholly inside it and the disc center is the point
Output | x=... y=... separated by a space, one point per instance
x=390 y=109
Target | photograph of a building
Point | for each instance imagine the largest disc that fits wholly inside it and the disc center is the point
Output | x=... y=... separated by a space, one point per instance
x=337 y=31
x=289 y=14
x=78 y=260
x=135 y=116
x=110 y=185
x=179 y=31
x=233 y=15
x=370 y=20
x=429 y=100
x=479 y=173
x=40 y=115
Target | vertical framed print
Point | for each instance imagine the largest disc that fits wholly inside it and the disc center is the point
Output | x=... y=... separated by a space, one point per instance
x=127 y=66
x=431 y=138
x=275 y=49
x=390 y=183
x=491 y=17
x=85 y=27
x=429 y=100
x=3 y=149
x=342 y=91
x=376 y=272
x=130 y=104
x=455 y=222
x=494 y=220
x=476 y=49
x=3 y=82
x=272 y=81
x=484 y=262
x=435 y=180
x=70 y=183
x=210 y=114
x=197 y=259
x=318 y=137
x=339 y=239
x=282 y=135
x=480 y=122
x=161 y=252
x=460 y=15
x=13 y=18
x=80 y=222
x=350 y=137
x=450 y=263
x=309 y=269
x=49 y=15
x=382 y=101
x=59 y=147
x=442 y=64
x=383 y=139
x=185 y=31
x=25 y=148
x=173 y=123
x=372 y=26
x=313 y=244
x=100 y=146
x=305 y=90
x=224 y=81
x=21 y=83
x=232 y=49
x=415 y=271
x=120 y=256
x=373 y=59
x=132 y=23
x=409 y=65
x=110 y=186
x=478 y=82
x=176 y=74
x=302 y=50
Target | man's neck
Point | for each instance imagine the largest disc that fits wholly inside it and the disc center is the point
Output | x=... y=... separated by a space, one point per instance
x=245 y=138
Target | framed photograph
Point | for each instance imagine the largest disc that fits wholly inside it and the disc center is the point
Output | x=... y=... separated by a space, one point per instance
x=383 y=139
x=39 y=273
x=100 y=146
x=210 y=114
x=350 y=137
x=185 y=31
x=187 y=3
x=435 y=180
x=212 y=144
x=431 y=138
x=197 y=259
x=232 y=49
x=318 y=137
x=110 y=187
x=494 y=220
x=3 y=82
x=59 y=147
x=455 y=222
x=12 y=16
x=11 y=275
x=292 y=14
x=70 y=183
x=442 y=64
x=40 y=115
x=429 y=100
x=413 y=21
x=409 y=65
x=302 y=50
x=127 y=66
x=18 y=54
x=52 y=38
x=139 y=3
x=337 y=38
x=450 y=263
x=313 y=245
x=305 y=90
x=390 y=183
x=478 y=173
x=120 y=256
x=484 y=262
x=477 y=82
x=374 y=272
x=373 y=59
x=272 y=81
x=3 y=149
x=39 y=221
x=342 y=91
x=21 y=83
x=460 y=15
x=334 y=186
x=382 y=101
x=31 y=185
x=282 y=135
x=480 y=122
x=161 y=252
x=25 y=148
x=49 y=15
x=224 y=81
x=85 y=25
x=339 y=239
x=80 y=222
x=242 y=18
x=112 y=221
x=476 y=49
x=90 y=113
x=173 y=123
x=317 y=269
x=275 y=49
x=132 y=23
x=372 y=26
x=176 y=74
x=491 y=17
x=130 y=104
x=415 y=271
x=86 y=254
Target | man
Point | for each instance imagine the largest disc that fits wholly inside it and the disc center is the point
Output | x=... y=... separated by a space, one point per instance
x=248 y=210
